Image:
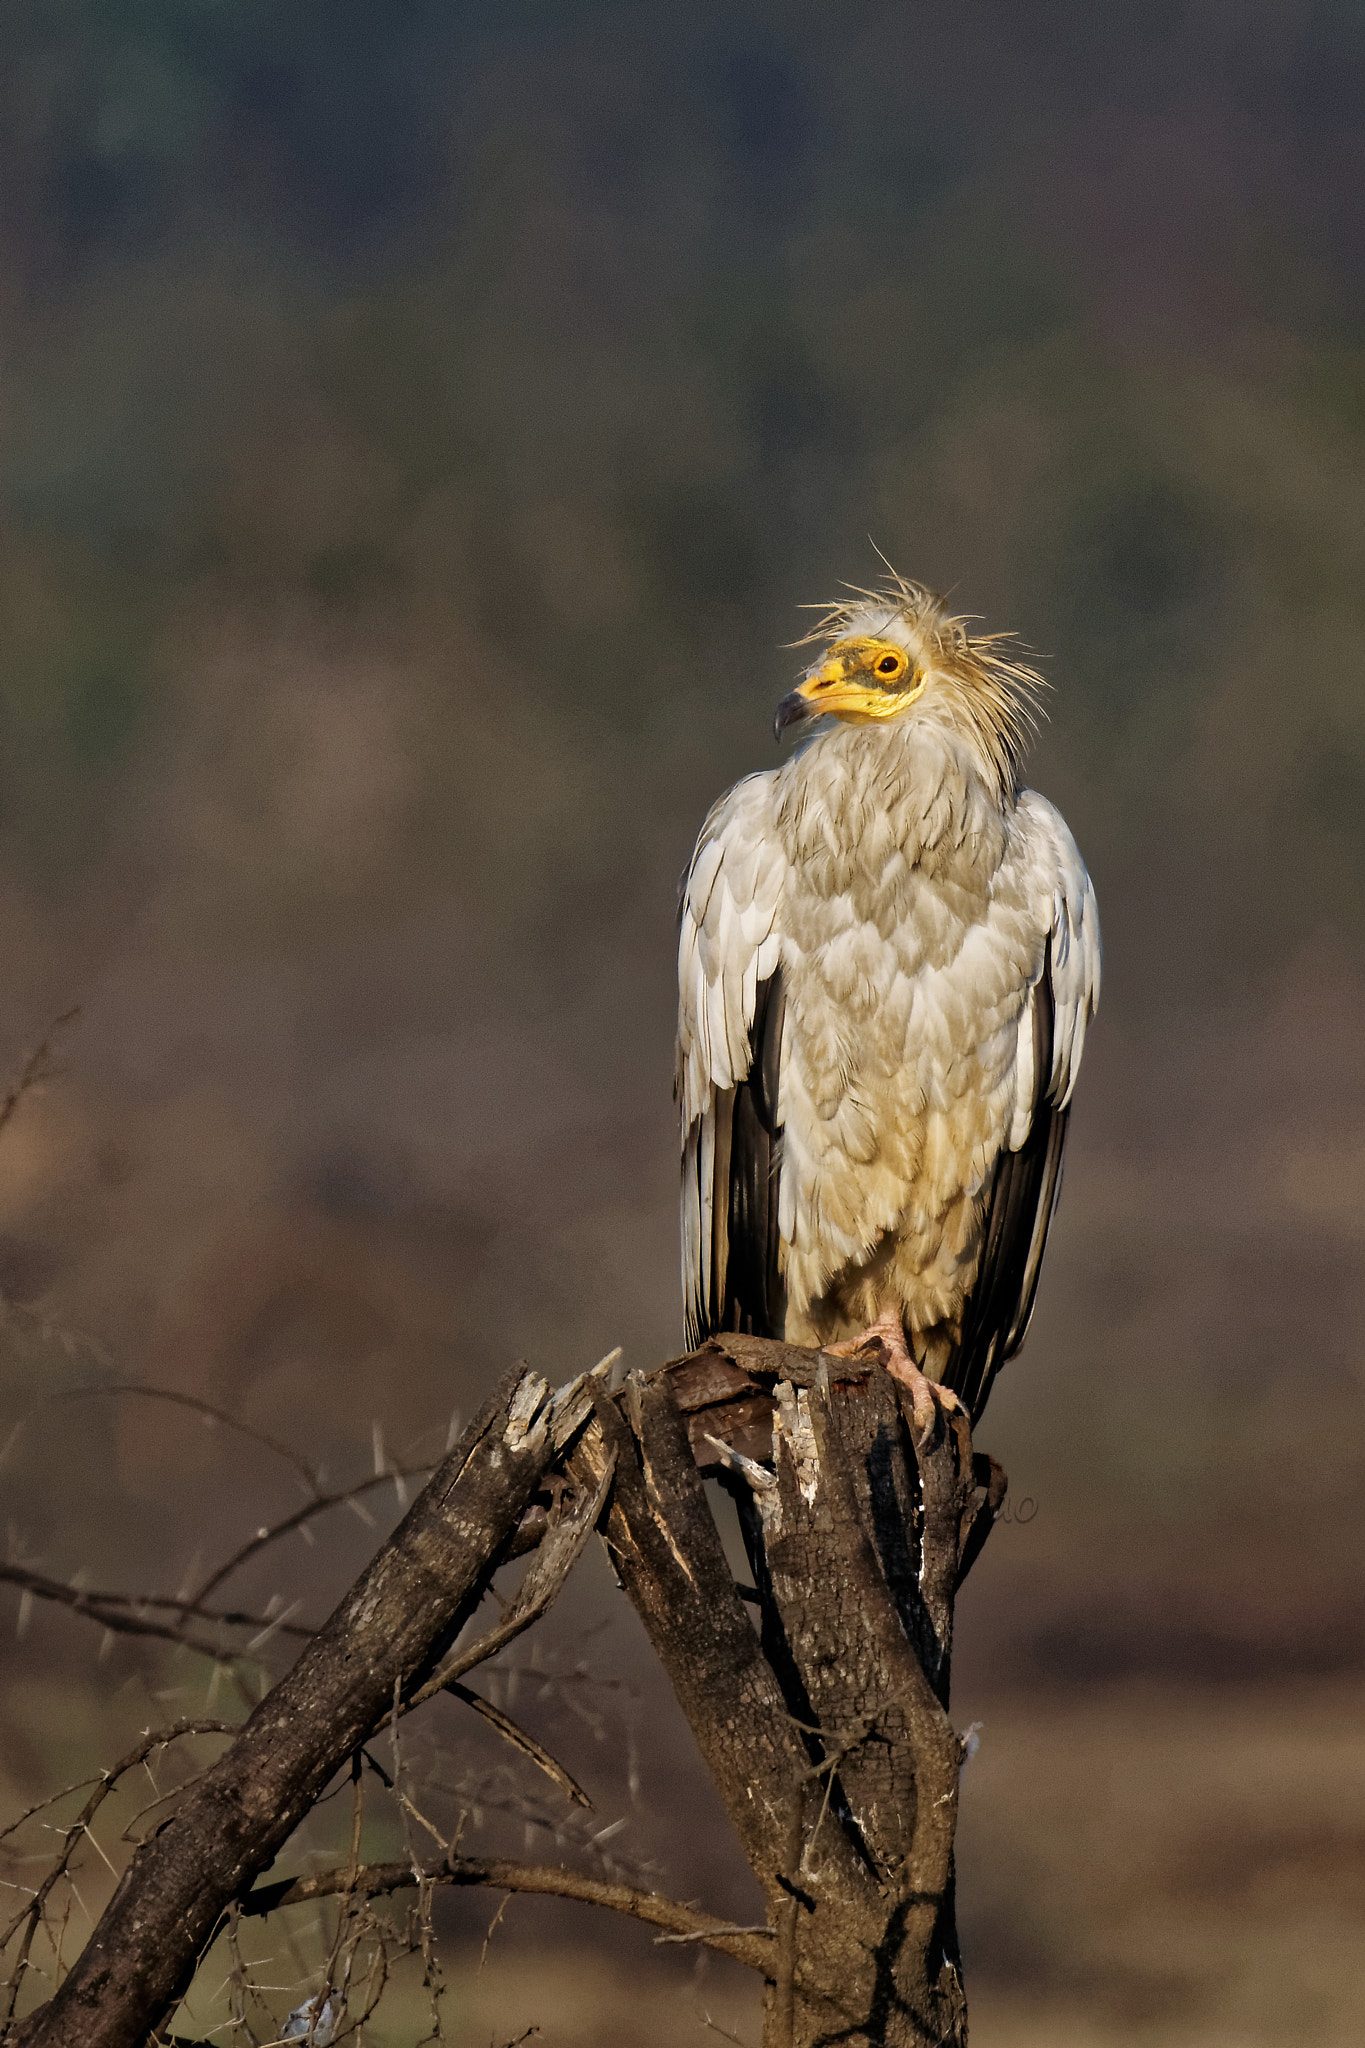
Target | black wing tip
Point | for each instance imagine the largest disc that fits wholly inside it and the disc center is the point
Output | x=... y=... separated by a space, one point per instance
x=1018 y=1215
x=753 y=1301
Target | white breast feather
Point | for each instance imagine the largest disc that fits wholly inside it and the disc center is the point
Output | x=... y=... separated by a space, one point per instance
x=968 y=1025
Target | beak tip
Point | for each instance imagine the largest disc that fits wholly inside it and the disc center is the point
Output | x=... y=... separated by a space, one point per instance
x=791 y=711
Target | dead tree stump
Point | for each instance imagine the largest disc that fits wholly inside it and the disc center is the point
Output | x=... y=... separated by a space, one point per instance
x=826 y=1726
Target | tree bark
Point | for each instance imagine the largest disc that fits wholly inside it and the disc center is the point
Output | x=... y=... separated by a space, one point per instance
x=859 y=1524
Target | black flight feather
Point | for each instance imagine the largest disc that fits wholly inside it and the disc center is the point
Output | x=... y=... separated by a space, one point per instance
x=1023 y=1196
x=747 y=1293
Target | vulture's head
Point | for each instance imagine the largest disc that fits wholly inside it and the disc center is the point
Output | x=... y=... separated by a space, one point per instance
x=896 y=654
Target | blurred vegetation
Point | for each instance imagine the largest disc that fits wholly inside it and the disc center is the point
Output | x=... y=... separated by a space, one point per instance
x=564 y=349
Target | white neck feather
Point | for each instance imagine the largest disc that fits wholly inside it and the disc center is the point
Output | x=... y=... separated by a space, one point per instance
x=912 y=783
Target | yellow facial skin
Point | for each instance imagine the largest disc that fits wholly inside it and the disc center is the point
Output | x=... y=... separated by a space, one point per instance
x=863 y=681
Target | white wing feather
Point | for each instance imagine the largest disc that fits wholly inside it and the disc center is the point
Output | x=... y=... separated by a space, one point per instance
x=728 y=943
x=1068 y=911
x=1068 y=917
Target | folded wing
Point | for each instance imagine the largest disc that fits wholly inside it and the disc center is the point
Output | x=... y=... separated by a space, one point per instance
x=729 y=1077
x=1027 y=1176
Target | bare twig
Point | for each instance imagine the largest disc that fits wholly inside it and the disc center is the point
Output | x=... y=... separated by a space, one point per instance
x=432 y=1982
x=712 y=2026
x=408 y=1808
x=346 y=1496
x=423 y=1584
x=38 y=1067
x=120 y=1611
x=303 y=1466
x=519 y=1739
x=30 y=1916
x=785 y=1914
x=754 y=1949
x=53 y=1799
x=664 y=1940
x=493 y=1926
x=330 y=1988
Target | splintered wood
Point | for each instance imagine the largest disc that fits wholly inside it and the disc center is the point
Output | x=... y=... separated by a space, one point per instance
x=818 y=1695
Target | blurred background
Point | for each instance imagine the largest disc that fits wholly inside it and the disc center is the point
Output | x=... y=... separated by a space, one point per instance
x=419 y=426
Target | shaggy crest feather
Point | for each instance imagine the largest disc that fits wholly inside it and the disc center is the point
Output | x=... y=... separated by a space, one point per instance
x=989 y=692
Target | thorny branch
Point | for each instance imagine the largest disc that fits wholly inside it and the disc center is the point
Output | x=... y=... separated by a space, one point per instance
x=343 y=1496
x=29 y=1917
x=127 y=1613
x=390 y=1630
x=826 y=1727
x=304 y=1467
x=320 y=1499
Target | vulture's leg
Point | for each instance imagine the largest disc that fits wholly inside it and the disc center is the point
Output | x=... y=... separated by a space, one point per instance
x=887 y=1336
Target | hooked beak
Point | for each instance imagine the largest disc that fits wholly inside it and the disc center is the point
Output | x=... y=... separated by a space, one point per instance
x=812 y=697
x=793 y=710
x=845 y=688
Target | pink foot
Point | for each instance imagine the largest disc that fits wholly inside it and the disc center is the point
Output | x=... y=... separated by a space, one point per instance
x=887 y=1336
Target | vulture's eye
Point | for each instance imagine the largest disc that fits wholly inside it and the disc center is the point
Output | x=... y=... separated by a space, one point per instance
x=890 y=664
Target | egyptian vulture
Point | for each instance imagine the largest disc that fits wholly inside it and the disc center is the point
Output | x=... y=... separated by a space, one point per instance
x=888 y=954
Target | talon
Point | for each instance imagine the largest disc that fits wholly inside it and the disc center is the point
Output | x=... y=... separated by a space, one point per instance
x=887 y=1336
x=922 y=1401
